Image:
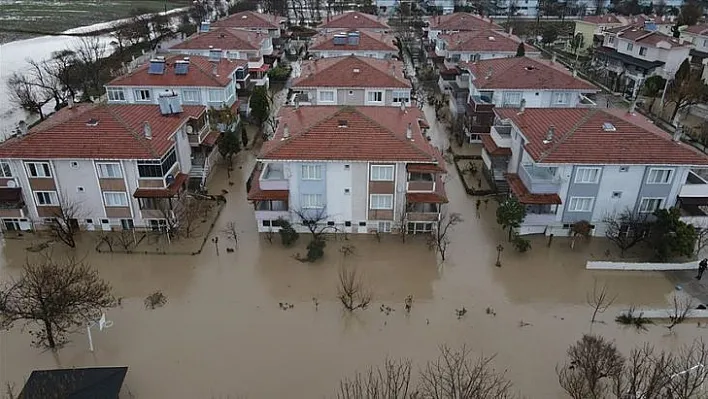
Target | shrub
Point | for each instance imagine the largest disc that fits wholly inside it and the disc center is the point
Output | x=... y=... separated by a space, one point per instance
x=280 y=73
x=315 y=249
x=521 y=244
x=288 y=235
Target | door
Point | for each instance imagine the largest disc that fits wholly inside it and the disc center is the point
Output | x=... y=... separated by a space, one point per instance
x=362 y=228
x=11 y=224
x=127 y=224
x=105 y=225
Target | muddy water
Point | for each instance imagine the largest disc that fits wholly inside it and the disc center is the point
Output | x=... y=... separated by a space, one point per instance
x=223 y=333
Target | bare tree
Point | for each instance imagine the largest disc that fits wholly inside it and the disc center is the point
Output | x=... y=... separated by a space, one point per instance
x=62 y=66
x=315 y=221
x=126 y=239
x=456 y=374
x=89 y=53
x=402 y=221
x=681 y=307
x=23 y=92
x=65 y=222
x=439 y=237
x=688 y=370
x=392 y=381
x=231 y=231
x=627 y=229
x=190 y=214
x=46 y=82
x=579 y=229
x=352 y=290
x=599 y=299
x=57 y=295
x=594 y=365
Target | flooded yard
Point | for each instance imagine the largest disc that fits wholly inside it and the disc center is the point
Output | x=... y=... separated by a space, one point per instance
x=222 y=331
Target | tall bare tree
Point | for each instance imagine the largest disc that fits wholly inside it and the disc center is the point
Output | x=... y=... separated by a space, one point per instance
x=65 y=221
x=594 y=365
x=626 y=229
x=392 y=381
x=352 y=291
x=23 y=92
x=440 y=237
x=599 y=299
x=57 y=295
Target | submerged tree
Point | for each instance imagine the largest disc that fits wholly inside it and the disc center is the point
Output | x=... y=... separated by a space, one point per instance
x=626 y=229
x=352 y=291
x=510 y=214
x=439 y=238
x=670 y=236
x=686 y=89
x=65 y=223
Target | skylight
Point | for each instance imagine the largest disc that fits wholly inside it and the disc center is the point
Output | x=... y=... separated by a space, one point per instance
x=608 y=127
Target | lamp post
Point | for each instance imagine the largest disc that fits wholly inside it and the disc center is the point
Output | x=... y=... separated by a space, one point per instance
x=500 y=248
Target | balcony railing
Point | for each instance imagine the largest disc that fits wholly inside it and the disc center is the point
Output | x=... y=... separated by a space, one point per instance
x=198 y=136
x=421 y=212
x=501 y=134
x=273 y=177
x=695 y=186
x=539 y=180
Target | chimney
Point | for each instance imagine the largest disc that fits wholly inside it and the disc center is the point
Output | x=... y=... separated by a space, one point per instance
x=522 y=106
x=489 y=73
x=215 y=70
x=296 y=102
x=549 y=135
x=70 y=102
x=575 y=73
x=23 y=128
x=286 y=132
x=511 y=30
x=403 y=106
x=632 y=107
x=409 y=132
x=553 y=58
x=147 y=130
x=678 y=133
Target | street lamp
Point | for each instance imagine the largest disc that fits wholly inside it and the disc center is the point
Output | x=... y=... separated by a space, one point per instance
x=500 y=248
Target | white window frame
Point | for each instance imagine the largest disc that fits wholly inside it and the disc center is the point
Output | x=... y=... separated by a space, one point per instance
x=611 y=39
x=381 y=201
x=311 y=172
x=103 y=167
x=643 y=204
x=321 y=99
x=120 y=196
x=5 y=169
x=191 y=95
x=655 y=172
x=115 y=94
x=400 y=94
x=51 y=196
x=561 y=98
x=375 y=93
x=643 y=51
x=139 y=97
x=574 y=202
x=583 y=174
x=382 y=172
x=215 y=95
x=509 y=94
x=384 y=226
x=312 y=201
x=630 y=46
x=39 y=166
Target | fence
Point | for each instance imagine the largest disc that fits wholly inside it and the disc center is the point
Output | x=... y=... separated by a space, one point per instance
x=603 y=265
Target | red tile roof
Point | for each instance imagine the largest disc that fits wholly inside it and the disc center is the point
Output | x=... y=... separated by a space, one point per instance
x=351 y=71
x=258 y=194
x=484 y=41
x=199 y=74
x=371 y=134
x=250 y=20
x=523 y=73
x=700 y=29
x=436 y=197
x=491 y=147
x=166 y=192
x=580 y=138
x=118 y=135
x=601 y=19
x=423 y=168
x=211 y=138
x=525 y=197
x=461 y=21
x=223 y=38
x=368 y=41
x=638 y=34
x=354 y=20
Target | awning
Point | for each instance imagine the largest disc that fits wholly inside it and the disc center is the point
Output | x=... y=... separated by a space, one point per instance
x=694 y=201
x=424 y=168
x=263 y=68
x=426 y=198
x=628 y=59
x=258 y=194
x=167 y=192
x=492 y=148
x=211 y=138
x=525 y=197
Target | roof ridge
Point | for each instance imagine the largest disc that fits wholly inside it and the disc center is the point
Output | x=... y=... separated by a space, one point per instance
x=137 y=136
x=399 y=138
x=302 y=132
x=206 y=73
x=569 y=133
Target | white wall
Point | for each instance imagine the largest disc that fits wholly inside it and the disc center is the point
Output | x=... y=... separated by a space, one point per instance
x=129 y=92
x=360 y=53
x=628 y=183
x=68 y=180
x=183 y=150
x=537 y=98
x=339 y=204
x=359 y=191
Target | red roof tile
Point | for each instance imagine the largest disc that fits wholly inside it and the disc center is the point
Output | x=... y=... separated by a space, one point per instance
x=371 y=134
x=484 y=40
x=250 y=20
x=638 y=34
x=167 y=192
x=351 y=71
x=601 y=19
x=424 y=168
x=368 y=41
x=258 y=194
x=700 y=29
x=580 y=138
x=461 y=21
x=223 y=38
x=354 y=20
x=200 y=73
x=118 y=135
x=491 y=147
x=525 y=197
x=211 y=138
x=523 y=73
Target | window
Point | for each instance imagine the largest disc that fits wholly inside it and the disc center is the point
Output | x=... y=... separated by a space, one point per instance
x=561 y=98
x=630 y=46
x=348 y=223
x=384 y=227
x=216 y=96
x=642 y=51
x=611 y=39
x=325 y=96
x=659 y=176
x=374 y=96
x=362 y=224
x=115 y=198
x=381 y=201
x=417 y=176
x=312 y=201
x=155 y=168
x=512 y=98
x=311 y=172
x=149 y=203
x=419 y=227
x=400 y=96
x=587 y=175
x=190 y=95
x=580 y=204
x=649 y=205
x=5 y=170
x=158 y=225
x=38 y=169
x=381 y=173
x=127 y=224
x=109 y=170
x=45 y=198
x=142 y=95
x=115 y=94
x=330 y=223
x=616 y=194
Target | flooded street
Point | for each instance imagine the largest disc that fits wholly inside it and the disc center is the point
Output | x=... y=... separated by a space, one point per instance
x=222 y=331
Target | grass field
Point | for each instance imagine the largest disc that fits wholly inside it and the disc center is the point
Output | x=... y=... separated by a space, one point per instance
x=60 y=15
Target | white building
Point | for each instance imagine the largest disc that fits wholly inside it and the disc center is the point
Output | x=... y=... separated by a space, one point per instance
x=124 y=166
x=351 y=169
x=457 y=22
x=351 y=80
x=354 y=20
x=252 y=21
x=479 y=45
x=697 y=35
x=571 y=164
x=360 y=43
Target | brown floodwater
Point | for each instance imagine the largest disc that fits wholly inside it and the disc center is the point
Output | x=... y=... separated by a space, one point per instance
x=222 y=331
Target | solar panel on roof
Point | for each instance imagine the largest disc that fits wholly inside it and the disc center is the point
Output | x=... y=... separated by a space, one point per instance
x=181 y=68
x=156 y=68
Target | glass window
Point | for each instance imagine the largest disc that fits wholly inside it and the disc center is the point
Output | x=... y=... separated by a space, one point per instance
x=311 y=172
x=190 y=96
x=384 y=227
x=587 y=175
x=115 y=198
x=561 y=98
x=142 y=95
x=115 y=94
x=382 y=172
x=381 y=201
x=374 y=96
x=580 y=204
x=5 y=170
x=312 y=201
x=417 y=176
x=630 y=46
x=46 y=198
x=216 y=96
x=642 y=51
x=400 y=96
x=649 y=205
x=512 y=98
x=39 y=169
x=109 y=170
x=659 y=176
x=325 y=96
x=155 y=168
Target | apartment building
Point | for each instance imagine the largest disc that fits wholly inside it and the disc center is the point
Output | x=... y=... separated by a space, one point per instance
x=354 y=169
x=697 y=35
x=125 y=166
x=351 y=80
x=233 y=44
x=252 y=21
x=354 y=20
x=360 y=43
x=479 y=45
x=457 y=22
x=572 y=164
x=591 y=27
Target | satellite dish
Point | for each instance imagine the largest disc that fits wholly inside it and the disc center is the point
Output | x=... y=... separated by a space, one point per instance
x=11 y=184
x=190 y=129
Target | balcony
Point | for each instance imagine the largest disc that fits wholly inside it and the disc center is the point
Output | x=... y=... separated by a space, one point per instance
x=501 y=134
x=257 y=193
x=539 y=180
x=479 y=103
x=696 y=186
x=272 y=209
x=540 y=215
x=198 y=133
x=12 y=203
x=273 y=177
x=422 y=212
x=420 y=182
